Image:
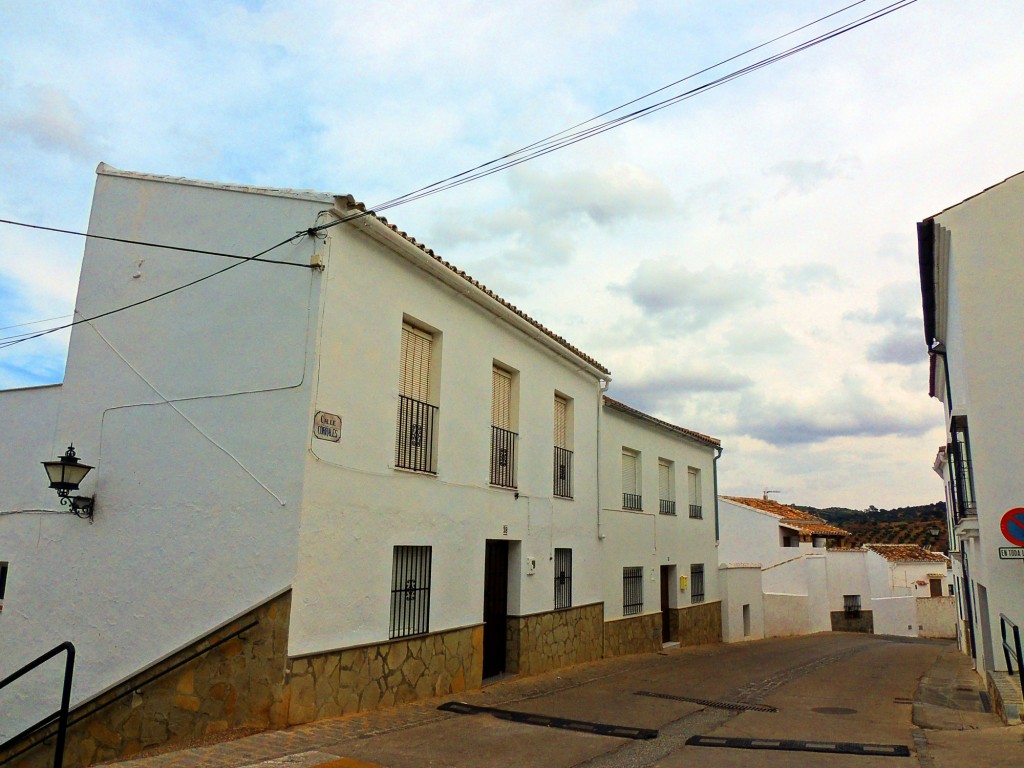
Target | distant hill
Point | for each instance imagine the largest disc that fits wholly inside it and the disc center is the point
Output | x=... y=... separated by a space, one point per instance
x=924 y=525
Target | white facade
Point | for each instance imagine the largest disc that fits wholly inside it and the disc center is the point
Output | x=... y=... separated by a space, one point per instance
x=214 y=490
x=971 y=271
x=666 y=532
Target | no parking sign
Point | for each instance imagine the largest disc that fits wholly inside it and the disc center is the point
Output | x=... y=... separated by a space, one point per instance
x=1012 y=526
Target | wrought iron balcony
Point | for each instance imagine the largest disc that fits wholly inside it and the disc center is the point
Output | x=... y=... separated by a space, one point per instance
x=563 y=473
x=632 y=501
x=503 y=457
x=667 y=506
x=414 y=436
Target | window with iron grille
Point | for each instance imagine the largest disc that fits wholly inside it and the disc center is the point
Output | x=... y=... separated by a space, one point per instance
x=851 y=605
x=666 y=488
x=697 y=583
x=632 y=590
x=503 y=439
x=417 y=417
x=960 y=459
x=563 y=578
x=631 y=498
x=693 y=492
x=410 y=591
x=562 y=467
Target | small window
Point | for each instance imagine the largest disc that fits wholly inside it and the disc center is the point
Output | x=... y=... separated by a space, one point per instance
x=631 y=498
x=851 y=606
x=697 y=583
x=563 y=578
x=632 y=590
x=410 y=591
x=3 y=580
x=666 y=489
x=693 y=493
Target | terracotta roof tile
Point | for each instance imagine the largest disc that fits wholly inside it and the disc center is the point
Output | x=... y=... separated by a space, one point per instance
x=797 y=518
x=905 y=553
x=611 y=403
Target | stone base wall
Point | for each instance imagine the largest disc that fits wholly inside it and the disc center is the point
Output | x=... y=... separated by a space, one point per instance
x=545 y=641
x=382 y=675
x=633 y=634
x=843 y=623
x=235 y=681
x=699 y=624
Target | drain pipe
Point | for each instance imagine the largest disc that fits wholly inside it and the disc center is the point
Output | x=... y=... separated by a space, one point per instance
x=602 y=388
x=718 y=454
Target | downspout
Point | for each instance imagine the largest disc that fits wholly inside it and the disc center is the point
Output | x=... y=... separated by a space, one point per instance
x=719 y=451
x=602 y=388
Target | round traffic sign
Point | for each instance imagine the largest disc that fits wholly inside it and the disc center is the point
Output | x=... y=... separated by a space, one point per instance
x=1012 y=526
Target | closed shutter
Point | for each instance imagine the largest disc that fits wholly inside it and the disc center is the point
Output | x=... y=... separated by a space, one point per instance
x=501 y=399
x=629 y=473
x=693 y=490
x=561 y=406
x=664 y=481
x=415 y=375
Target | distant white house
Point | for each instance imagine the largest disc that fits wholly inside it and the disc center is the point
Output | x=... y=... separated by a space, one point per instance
x=808 y=587
x=971 y=272
x=337 y=477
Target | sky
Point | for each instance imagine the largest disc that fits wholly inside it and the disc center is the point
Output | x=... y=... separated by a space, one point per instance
x=744 y=261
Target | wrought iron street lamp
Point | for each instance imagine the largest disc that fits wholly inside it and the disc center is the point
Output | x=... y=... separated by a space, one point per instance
x=65 y=475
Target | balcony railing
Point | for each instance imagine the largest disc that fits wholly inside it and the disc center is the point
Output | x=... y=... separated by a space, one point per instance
x=632 y=501
x=667 y=506
x=696 y=511
x=563 y=473
x=503 y=457
x=414 y=436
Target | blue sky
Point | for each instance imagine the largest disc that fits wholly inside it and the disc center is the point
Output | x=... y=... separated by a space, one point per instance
x=744 y=261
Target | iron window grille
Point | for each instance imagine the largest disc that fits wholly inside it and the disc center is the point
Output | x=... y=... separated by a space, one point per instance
x=632 y=501
x=696 y=511
x=563 y=578
x=503 y=457
x=851 y=606
x=563 y=473
x=410 y=591
x=414 y=435
x=697 y=583
x=960 y=459
x=667 y=506
x=632 y=590
x=666 y=492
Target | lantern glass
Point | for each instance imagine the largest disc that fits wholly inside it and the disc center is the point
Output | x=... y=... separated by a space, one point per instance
x=67 y=472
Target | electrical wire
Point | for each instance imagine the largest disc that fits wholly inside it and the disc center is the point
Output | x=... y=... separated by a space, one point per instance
x=146 y=243
x=28 y=337
x=552 y=143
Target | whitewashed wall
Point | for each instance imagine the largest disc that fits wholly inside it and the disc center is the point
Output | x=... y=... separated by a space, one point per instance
x=740 y=585
x=786 y=615
x=936 y=616
x=848 y=575
x=647 y=538
x=358 y=504
x=894 y=615
x=193 y=408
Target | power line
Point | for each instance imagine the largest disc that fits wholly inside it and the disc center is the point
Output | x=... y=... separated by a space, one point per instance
x=146 y=243
x=552 y=143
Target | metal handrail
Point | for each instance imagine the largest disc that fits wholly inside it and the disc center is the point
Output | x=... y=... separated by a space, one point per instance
x=1004 y=621
x=65 y=699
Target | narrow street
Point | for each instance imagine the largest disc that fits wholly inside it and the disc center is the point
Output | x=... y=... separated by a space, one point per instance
x=784 y=702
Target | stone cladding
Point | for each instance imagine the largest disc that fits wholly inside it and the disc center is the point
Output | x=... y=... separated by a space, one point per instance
x=633 y=634
x=544 y=641
x=698 y=624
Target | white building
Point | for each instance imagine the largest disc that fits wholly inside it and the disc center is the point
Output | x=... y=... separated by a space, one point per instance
x=971 y=273
x=893 y=589
x=333 y=478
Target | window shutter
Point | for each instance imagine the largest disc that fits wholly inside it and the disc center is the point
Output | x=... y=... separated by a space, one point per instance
x=664 y=481
x=691 y=480
x=501 y=399
x=415 y=374
x=628 y=473
x=560 y=422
